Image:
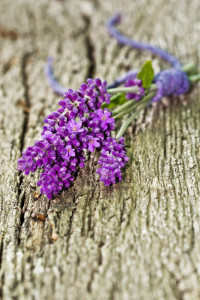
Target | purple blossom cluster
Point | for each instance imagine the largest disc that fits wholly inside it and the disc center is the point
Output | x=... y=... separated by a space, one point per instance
x=79 y=124
x=135 y=82
x=112 y=160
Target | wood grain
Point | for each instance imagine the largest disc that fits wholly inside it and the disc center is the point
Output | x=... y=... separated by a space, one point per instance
x=138 y=239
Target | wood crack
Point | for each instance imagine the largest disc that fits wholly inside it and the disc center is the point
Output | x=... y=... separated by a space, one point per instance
x=2 y=274
x=96 y=270
x=26 y=96
x=24 y=75
x=22 y=213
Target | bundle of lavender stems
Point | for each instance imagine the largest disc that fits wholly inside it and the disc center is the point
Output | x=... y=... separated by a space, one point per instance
x=86 y=118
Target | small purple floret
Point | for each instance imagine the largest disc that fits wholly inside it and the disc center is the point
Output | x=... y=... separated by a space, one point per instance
x=69 y=152
x=93 y=143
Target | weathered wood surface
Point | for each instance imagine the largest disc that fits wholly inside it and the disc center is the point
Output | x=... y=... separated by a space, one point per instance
x=139 y=239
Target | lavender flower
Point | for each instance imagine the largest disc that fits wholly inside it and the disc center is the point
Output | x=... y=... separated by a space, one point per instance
x=74 y=127
x=59 y=159
x=101 y=123
x=112 y=160
x=58 y=176
x=39 y=155
x=93 y=143
x=96 y=93
x=78 y=125
x=141 y=92
x=70 y=152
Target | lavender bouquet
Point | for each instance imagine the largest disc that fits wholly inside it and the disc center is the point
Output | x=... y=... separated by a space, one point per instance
x=86 y=118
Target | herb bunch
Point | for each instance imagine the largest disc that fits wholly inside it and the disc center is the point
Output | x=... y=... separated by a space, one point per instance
x=87 y=118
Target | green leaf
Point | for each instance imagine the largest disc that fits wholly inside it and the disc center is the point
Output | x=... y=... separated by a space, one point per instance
x=146 y=74
x=116 y=100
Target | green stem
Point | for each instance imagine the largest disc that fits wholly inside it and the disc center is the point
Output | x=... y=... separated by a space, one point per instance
x=137 y=107
x=125 y=126
x=127 y=105
x=127 y=123
x=135 y=104
x=113 y=98
x=153 y=88
x=190 y=69
x=140 y=107
x=125 y=112
x=124 y=106
x=133 y=89
x=194 y=78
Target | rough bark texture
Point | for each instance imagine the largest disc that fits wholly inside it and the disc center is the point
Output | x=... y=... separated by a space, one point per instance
x=138 y=239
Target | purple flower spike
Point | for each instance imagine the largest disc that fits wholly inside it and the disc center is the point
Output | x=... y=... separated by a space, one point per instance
x=79 y=124
x=136 y=96
x=113 y=158
x=96 y=93
x=101 y=123
x=103 y=119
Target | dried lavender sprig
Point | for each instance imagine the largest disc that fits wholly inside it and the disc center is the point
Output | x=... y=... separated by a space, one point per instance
x=48 y=70
x=189 y=69
x=169 y=82
x=122 y=39
x=132 y=74
x=60 y=151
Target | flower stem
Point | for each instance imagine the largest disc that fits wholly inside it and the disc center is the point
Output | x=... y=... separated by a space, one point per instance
x=194 y=78
x=125 y=106
x=190 y=69
x=124 y=109
x=113 y=98
x=122 y=89
x=140 y=107
x=126 y=124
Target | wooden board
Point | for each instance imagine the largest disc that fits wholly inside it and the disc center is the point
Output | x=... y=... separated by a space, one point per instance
x=138 y=239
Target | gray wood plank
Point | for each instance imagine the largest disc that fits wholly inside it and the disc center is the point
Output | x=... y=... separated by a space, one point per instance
x=138 y=239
